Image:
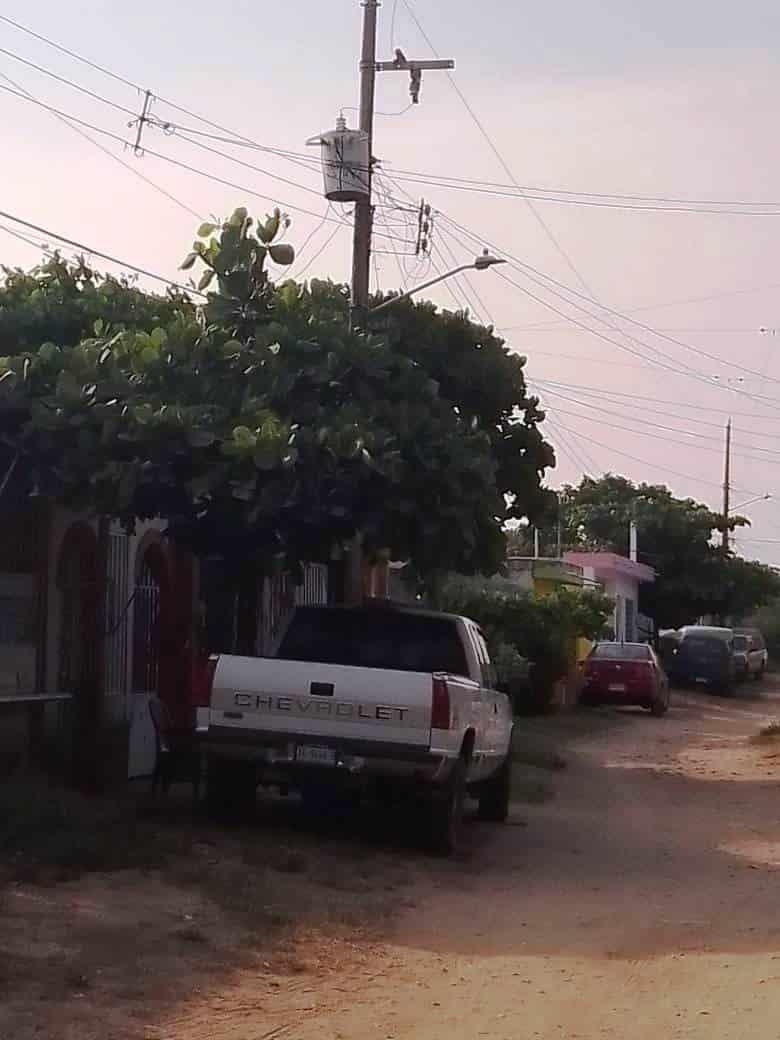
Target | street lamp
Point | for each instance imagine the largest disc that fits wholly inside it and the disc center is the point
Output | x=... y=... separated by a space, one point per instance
x=479 y=263
x=750 y=501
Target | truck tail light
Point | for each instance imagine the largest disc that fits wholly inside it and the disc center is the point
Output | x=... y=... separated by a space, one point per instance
x=204 y=681
x=440 y=704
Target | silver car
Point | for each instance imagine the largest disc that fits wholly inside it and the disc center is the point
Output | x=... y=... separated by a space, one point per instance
x=750 y=653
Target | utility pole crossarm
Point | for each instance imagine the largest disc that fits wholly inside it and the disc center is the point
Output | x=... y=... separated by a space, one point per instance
x=401 y=65
x=414 y=68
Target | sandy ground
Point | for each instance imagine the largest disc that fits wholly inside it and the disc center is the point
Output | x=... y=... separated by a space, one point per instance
x=642 y=901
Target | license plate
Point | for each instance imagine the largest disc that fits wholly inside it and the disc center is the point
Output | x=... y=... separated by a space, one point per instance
x=701 y=679
x=617 y=687
x=315 y=756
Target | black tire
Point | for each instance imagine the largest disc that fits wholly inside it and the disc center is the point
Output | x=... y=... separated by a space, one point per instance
x=446 y=813
x=495 y=793
x=659 y=708
x=231 y=788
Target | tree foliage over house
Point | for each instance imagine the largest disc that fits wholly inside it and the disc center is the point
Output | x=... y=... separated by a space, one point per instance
x=257 y=423
x=678 y=538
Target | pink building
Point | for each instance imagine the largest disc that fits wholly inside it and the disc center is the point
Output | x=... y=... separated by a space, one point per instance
x=620 y=578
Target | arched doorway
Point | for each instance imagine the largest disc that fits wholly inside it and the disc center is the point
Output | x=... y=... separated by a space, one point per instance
x=78 y=666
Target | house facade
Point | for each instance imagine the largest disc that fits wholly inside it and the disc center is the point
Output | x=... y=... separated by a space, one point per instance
x=544 y=574
x=620 y=578
x=96 y=620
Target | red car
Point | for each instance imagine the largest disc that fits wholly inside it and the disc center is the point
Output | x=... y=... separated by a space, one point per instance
x=625 y=674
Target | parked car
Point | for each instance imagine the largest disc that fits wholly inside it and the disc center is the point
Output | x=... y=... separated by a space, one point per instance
x=625 y=674
x=705 y=657
x=750 y=653
x=386 y=698
x=668 y=642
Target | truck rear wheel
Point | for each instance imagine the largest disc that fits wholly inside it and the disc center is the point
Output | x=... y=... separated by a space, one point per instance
x=231 y=788
x=494 y=794
x=446 y=813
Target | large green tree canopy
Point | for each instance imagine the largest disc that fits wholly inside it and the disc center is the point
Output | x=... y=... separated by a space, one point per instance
x=257 y=423
x=677 y=537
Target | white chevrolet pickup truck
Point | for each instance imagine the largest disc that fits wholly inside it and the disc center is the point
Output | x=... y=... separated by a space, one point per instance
x=382 y=699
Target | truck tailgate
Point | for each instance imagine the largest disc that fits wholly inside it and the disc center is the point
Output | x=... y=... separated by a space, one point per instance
x=321 y=700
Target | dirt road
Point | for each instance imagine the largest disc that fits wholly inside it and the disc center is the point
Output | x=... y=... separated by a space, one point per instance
x=635 y=893
x=642 y=902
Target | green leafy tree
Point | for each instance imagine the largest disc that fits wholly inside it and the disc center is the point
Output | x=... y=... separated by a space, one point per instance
x=257 y=424
x=677 y=537
x=486 y=382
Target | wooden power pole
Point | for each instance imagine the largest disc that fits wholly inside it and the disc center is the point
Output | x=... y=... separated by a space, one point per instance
x=726 y=488
x=361 y=242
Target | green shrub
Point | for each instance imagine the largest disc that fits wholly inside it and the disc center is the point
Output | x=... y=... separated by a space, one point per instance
x=539 y=629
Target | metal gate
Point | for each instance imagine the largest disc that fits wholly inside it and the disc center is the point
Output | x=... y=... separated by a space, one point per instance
x=117 y=610
x=281 y=594
x=146 y=672
x=146 y=633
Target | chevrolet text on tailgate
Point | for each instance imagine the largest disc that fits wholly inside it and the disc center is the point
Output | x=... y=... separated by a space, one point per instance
x=376 y=699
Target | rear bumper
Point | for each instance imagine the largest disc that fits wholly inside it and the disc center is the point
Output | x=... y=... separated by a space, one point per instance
x=633 y=694
x=275 y=755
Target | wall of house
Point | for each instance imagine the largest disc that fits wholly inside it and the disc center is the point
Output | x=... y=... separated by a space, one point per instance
x=621 y=589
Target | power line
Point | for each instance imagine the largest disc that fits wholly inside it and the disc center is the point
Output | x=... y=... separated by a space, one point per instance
x=669 y=367
x=576 y=455
x=103 y=256
x=321 y=250
x=460 y=305
x=401 y=275
x=608 y=396
x=542 y=193
x=657 y=306
x=449 y=258
x=250 y=166
x=647 y=462
x=676 y=366
x=445 y=180
x=24 y=238
x=166 y=158
x=106 y=151
x=525 y=268
x=479 y=299
x=311 y=234
x=71 y=54
x=651 y=427
x=598 y=391
x=494 y=148
x=68 y=82
x=538 y=195
x=754 y=331
x=658 y=426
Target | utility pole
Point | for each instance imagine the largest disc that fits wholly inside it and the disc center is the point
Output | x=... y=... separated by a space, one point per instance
x=364 y=211
x=726 y=488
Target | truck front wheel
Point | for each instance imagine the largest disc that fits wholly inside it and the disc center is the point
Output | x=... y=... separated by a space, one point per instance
x=494 y=794
x=446 y=813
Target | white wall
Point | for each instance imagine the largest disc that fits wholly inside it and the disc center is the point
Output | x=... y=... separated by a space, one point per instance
x=621 y=588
